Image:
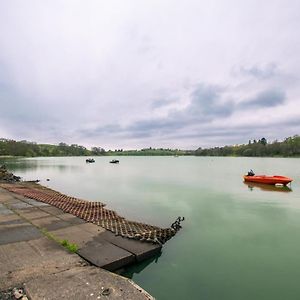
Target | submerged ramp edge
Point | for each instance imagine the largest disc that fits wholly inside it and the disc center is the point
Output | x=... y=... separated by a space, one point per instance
x=94 y=212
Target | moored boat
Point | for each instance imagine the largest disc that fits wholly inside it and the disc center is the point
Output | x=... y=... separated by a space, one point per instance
x=114 y=161
x=90 y=160
x=276 y=179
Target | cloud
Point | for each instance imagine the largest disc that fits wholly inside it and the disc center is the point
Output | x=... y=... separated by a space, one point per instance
x=110 y=73
x=265 y=99
x=203 y=106
x=261 y=72
x=206 y=102
x=99 y=130
x=161 y=102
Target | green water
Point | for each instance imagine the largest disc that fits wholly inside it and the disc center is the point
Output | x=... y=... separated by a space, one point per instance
x=237 y=242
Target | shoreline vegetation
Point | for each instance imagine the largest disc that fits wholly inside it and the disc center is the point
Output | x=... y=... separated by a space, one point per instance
x=289 y=147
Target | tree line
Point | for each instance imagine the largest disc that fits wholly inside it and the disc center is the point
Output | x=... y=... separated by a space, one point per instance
x=32 y=149
x=289 y=147
x=151 y=152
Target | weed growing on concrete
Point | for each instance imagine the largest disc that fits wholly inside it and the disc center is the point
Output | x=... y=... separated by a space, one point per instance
x=71 y=247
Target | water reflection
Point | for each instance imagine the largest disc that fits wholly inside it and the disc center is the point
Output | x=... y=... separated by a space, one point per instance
x=22 y=164
x=129 y=272
x=267 y=187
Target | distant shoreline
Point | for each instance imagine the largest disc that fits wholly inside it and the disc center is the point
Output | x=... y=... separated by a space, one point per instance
x=289 y=147
x=145 y=155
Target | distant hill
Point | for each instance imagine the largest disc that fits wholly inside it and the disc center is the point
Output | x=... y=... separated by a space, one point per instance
x=290 y=147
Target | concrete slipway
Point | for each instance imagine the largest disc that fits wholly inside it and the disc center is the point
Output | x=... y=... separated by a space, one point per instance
x=30 y=255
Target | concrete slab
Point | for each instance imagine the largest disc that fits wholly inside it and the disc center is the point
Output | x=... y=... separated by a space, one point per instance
x=106 y=255
x=17 y=233
x=4 y=210
x=71 y=218
x=23 y=210
x=8 y=218
x=92 y=228
x=18 y=204
x=29 y=259
x=84 y=283
x=9 y=197
x=12 y=222
x=74 y=234
x=141 y=250
x=35 y=203
x=14 y=199
x=5 y=196
x=53 y=210
x=4 y=199
x=32 y=213
x=50 y=223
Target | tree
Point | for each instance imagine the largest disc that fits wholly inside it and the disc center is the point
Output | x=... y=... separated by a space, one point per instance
x=98 y=151
x=263 y=141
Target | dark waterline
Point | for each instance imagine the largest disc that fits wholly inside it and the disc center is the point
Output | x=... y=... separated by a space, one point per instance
x=238 y=241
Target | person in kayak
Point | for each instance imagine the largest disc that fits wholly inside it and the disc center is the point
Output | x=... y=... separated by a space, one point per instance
x=251 y=173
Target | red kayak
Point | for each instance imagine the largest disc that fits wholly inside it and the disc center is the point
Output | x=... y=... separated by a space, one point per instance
x=268 y=179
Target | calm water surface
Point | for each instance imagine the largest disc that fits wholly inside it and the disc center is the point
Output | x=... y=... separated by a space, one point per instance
x=237 y=242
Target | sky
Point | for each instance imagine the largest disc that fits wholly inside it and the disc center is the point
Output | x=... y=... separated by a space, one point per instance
x=149 y=73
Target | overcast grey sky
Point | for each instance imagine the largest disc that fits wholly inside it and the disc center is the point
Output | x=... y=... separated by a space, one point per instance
x=165 y=73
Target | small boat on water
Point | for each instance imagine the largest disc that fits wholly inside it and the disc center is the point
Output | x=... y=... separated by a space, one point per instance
x=90 y=160
x=268 y=187
x=265 y=179
x=114 y=161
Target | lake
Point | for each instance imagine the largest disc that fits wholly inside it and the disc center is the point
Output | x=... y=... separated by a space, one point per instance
x=237 y=242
